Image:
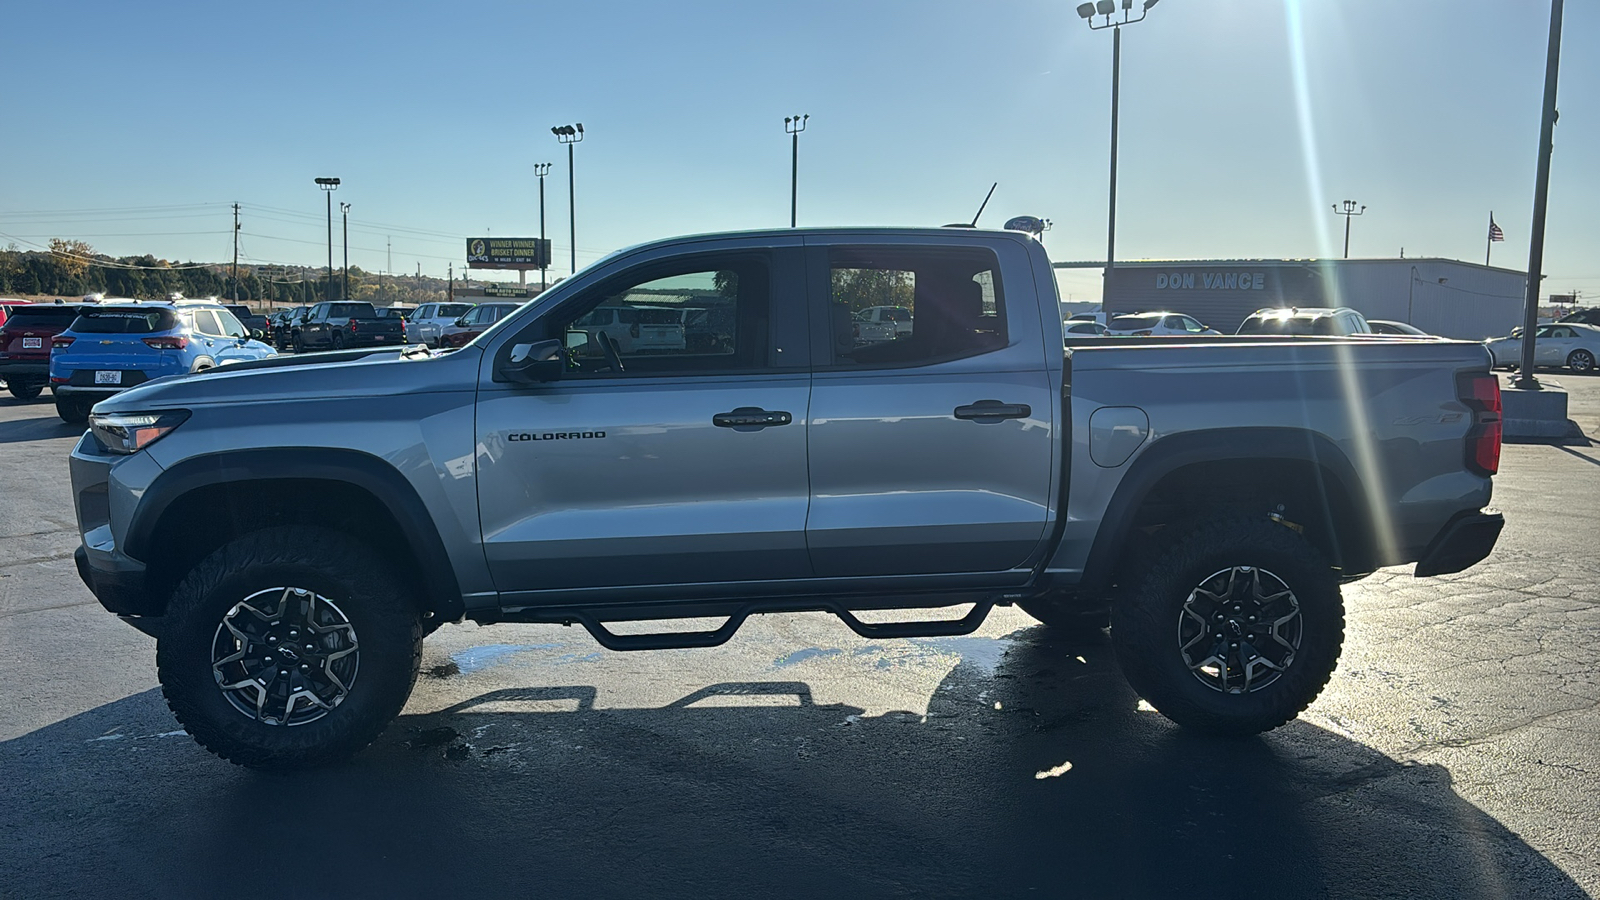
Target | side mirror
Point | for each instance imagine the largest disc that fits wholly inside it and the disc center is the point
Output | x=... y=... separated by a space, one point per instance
x=577 y=339
x=461 y=322
x=535 y=363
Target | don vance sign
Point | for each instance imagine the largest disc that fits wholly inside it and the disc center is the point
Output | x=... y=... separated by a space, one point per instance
x=1214 y=281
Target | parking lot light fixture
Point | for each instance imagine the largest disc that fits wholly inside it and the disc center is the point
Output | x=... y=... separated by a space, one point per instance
x=1106 y=8
x=329 y=185
x=794 y=125
x=569 y=135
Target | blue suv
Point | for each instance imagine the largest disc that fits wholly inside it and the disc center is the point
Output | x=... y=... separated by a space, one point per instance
x=116 y=346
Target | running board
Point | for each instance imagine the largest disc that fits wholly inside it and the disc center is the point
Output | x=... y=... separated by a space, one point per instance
x=677 y=640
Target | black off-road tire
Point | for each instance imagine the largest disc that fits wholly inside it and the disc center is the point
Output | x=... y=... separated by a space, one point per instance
x=1067 y=616
x=25 y=390
x=1146 y=622
x=378 y=606
x=73 y=410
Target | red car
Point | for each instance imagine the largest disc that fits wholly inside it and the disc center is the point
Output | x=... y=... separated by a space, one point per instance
x=25 y=344
x=475 y=322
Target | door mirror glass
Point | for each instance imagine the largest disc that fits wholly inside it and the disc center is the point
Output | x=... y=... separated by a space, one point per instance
x=577 y=340
x=535 y=363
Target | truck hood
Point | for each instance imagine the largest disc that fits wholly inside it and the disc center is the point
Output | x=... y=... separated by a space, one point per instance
x=307 y=376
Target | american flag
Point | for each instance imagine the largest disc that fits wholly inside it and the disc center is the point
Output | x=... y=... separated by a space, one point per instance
x=1495 y=234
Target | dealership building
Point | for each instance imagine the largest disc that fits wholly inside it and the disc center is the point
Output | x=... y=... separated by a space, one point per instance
x=1446 y=297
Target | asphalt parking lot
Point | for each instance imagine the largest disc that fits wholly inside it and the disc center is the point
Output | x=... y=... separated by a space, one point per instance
x=1454 y=754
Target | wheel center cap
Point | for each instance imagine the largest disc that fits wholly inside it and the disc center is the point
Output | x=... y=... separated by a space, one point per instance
x=293 y=656
x=1235 y=627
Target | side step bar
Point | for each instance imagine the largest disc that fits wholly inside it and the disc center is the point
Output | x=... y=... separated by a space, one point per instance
x=590 y=619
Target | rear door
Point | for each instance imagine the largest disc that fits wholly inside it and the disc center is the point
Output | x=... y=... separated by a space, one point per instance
x=686 y=465
x=930 y=453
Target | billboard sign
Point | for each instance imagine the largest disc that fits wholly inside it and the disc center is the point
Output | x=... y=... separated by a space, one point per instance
x=507 y=253
x=513 y=291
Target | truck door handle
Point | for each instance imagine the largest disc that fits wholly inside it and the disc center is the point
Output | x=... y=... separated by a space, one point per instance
x=994 y=410
x=751 y=417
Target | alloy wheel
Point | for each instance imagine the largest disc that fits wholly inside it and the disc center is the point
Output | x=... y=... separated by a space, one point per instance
x=285 y=656
x=1239 y=629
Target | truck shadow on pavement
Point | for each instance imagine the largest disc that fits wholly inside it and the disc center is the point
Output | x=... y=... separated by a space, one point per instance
x=42 y=427
x=1039 y=778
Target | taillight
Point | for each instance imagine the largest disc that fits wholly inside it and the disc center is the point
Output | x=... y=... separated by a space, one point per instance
x=59 y=379
x=167 y=343
x=61 y=342
x=352 y=326
x=1480 y=391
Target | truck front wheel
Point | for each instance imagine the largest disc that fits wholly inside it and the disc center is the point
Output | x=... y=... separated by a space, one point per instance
x=1234 y=628
x=289 y=647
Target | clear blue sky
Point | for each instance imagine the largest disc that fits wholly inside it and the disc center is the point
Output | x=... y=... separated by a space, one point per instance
x=433 y=115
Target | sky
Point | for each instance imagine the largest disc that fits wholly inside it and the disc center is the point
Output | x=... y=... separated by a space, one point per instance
x=135 y=127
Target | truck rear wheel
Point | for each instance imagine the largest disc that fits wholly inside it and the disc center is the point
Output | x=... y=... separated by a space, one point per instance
x=1234 y=628
x=289 y=647
x=24 y=389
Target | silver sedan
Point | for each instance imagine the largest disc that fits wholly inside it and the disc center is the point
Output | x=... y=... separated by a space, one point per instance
x=1562 y=344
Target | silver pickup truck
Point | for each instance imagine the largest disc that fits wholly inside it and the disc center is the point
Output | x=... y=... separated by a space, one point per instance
x=290 y=529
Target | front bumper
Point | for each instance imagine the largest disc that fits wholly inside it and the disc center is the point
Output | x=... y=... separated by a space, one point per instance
x=1463 y=542
x=116 y=581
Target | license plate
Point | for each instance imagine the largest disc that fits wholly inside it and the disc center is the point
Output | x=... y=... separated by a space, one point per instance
x=32 y=343
x=108 y=378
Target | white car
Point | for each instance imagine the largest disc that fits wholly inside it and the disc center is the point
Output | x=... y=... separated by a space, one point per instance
x=1084 y=328
x=427 y=323
x=636 y=329
x=898 y=318
x=1157 y=323
x=1573 y=345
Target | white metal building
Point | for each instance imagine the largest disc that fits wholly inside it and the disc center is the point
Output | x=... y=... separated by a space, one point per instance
x=1446 y=297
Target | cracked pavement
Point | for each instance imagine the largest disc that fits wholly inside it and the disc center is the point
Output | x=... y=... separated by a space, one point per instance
x=1452 y=755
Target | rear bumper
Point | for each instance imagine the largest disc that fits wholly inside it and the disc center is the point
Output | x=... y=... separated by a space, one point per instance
x=25 y=369
x=98 y=393
x=1463 y=542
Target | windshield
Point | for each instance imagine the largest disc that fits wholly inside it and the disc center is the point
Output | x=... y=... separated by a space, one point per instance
x=1124 y=323
x=126 y=321
x=49 y=316
x=1280 y=325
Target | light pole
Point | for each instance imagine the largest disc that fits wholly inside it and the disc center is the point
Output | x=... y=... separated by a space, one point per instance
x=794 y=125
x=344 y=211
x=1106 y=8
x=329 y=185
x=1349 y=211
x=569 y=135
x=1541 y=194
x=541 y=170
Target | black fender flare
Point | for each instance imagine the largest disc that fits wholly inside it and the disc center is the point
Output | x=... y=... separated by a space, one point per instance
x=1267 y=444
x=363 y=470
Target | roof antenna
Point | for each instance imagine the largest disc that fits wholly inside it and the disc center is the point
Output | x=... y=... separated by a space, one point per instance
x=974 y=222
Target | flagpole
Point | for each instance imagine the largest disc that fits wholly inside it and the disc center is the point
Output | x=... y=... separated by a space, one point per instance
x=1488 y=241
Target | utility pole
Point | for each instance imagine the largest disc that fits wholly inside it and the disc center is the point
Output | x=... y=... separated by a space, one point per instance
x=234 y=276
x=1348 y=210
x=569 y=135
x=452 y=294
x=1541 y=196
x=388 y=265
x=794 y=125
x=344 y=211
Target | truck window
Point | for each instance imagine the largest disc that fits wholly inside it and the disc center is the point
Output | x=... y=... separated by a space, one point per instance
x=708 y=315
x=951 y=300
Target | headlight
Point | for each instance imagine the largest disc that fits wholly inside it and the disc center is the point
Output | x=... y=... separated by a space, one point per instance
x=132 y=432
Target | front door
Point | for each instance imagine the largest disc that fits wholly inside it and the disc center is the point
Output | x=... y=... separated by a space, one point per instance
x=666 y=463
x=930 y=452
